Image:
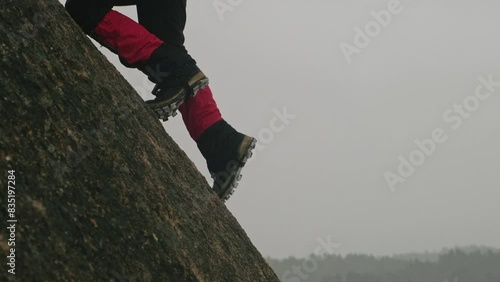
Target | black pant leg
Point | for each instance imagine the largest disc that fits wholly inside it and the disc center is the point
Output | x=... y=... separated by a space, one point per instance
x=164 y=18
x=123 y=2
x=88 y=13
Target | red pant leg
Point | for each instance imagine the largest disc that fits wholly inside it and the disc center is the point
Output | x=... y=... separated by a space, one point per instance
x=129 y=39
x=200 y=112
x=135 y=44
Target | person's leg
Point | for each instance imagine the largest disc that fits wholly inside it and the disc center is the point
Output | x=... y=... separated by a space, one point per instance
x=123 y=2
x=170 y=67
x=164 y=18
x=167 y=19
x=131 y=41
x=225 y=149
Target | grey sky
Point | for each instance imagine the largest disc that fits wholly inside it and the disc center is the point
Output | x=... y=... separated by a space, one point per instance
x=323 y=175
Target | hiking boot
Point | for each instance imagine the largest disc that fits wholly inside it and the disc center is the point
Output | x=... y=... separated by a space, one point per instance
x=226 y=152
x=176 y=77
x=171 y=94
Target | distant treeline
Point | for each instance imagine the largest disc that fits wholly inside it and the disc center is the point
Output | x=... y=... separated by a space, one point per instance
x=470 y=264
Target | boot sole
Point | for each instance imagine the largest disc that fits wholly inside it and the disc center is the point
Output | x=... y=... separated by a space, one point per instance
x=168 y=108
x=236 y=176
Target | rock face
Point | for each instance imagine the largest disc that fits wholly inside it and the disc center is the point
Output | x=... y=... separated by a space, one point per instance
x=102 y=193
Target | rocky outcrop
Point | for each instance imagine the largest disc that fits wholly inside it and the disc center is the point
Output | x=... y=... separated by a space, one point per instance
x=102 y=193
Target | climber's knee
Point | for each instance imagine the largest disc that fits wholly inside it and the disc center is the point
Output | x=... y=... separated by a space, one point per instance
x=88 y=13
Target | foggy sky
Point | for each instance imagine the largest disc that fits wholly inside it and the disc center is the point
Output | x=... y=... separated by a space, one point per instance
x=323 y=174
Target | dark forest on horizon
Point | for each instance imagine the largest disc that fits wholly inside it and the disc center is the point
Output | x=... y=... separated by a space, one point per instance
x=471 y=264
